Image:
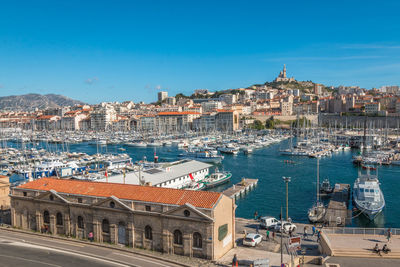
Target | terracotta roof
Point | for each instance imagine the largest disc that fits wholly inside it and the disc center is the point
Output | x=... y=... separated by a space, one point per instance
x=201 y=199
x=179 y=113
x=46 y=117
x=224 y=110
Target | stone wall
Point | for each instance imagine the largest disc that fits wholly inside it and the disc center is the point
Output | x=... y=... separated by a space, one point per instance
x=358 y=121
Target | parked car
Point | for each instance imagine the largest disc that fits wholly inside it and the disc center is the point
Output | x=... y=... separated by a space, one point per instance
x=252 y=240
x=268 y=222
x=287 y=226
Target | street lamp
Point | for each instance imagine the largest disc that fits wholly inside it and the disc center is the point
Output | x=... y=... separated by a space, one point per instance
x=287 y=180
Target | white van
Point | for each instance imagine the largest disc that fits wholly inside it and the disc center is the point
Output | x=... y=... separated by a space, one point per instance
x=268 y=222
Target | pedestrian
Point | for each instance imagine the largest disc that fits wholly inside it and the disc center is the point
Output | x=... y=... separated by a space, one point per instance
x=255 y=215
x=234 y=261
x=257 y=229
x=305 y=232
x=318 y=236
x=90 y=236
x=273 y=235
x=313 y=230
x=267 y=234
x=389 y=234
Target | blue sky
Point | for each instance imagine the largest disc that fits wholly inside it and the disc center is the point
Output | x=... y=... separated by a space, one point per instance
x=128 y=50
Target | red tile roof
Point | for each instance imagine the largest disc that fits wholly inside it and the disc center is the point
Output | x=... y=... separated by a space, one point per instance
x=179 y=113
x=201 y=199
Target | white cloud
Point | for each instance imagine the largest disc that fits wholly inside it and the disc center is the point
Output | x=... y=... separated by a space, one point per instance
x=91 y=80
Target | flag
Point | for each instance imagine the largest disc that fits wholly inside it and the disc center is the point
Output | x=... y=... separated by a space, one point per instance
x=191 y=176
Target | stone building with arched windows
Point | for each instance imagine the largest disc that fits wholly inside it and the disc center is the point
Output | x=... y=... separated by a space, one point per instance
x=184 y=222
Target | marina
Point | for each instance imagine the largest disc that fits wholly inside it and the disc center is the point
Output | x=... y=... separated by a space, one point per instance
x=266 y=162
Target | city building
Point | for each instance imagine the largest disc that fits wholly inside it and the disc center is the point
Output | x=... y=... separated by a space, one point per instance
x=184 y=222
x=4 y=192
x=373 y=107
x=102 y=117
x=178 y=174
x=170 y=100
x=171 y=122
x=211 y=106
x=226 y=120
x=228 y=99
x=162 y=95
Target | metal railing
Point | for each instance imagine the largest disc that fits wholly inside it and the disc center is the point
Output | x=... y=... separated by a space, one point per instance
x=360 y=231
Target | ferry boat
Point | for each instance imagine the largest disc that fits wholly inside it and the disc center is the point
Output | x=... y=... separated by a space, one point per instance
x=367 y=195
x=216 y=179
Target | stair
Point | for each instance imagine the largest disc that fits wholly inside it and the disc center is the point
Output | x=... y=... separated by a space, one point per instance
x=365 y=253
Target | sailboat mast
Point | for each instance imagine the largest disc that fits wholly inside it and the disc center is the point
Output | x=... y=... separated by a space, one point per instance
x=317 y=180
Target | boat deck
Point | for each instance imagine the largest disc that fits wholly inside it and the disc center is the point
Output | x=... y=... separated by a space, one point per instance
x=240 y=188
x=337 y=213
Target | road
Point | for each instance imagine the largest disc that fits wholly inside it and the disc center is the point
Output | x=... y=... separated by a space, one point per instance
x=21 y=249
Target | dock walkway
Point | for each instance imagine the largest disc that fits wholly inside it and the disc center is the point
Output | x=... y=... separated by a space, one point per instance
x=338 y=213
x=240 y=188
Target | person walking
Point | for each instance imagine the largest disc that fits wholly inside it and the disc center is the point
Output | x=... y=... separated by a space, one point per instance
x=234 y=261
x=313 y=230
x=257 y=232
x=273 y=236
x=389 y=234
x=90 y=236
x=318 y=236
x=267 y=234
x=255 y=215
x=305 y=232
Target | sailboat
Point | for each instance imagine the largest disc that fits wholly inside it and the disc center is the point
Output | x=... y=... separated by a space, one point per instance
x=317 y=212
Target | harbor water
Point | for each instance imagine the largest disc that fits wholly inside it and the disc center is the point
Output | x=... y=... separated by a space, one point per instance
x=267 y=165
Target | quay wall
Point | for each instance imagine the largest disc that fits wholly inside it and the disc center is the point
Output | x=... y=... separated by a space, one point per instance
x=263 y=118
x=358 y=121
x=325 y=245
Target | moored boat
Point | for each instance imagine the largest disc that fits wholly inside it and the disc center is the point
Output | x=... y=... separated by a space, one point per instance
x=216 y=178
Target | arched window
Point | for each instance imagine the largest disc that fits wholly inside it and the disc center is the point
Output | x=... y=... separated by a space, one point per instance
x=197 y=241
x=80 y=222
x=105 y=226
x=178 y=237
x=59 y=219
x=148 y=233
x=46 y=217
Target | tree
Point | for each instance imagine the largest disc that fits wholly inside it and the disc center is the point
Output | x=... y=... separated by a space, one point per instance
x=270 y=123
x=258 y=125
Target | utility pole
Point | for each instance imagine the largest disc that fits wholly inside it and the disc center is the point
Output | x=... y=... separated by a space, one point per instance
x=281 y=238
x=287 y=180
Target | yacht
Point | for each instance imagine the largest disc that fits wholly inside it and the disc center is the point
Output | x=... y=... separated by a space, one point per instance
x=325 y=188
x=367 y=195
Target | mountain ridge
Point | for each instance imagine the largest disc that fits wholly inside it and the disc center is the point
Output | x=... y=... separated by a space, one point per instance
x=29 y=102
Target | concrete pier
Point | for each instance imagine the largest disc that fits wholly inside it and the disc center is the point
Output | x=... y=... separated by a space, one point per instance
x=337 y=213
x=240 y=188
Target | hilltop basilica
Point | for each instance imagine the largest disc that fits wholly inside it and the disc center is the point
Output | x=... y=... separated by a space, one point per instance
x=282 y=76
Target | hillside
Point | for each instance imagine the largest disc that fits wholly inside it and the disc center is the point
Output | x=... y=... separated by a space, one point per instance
x=30 y=102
